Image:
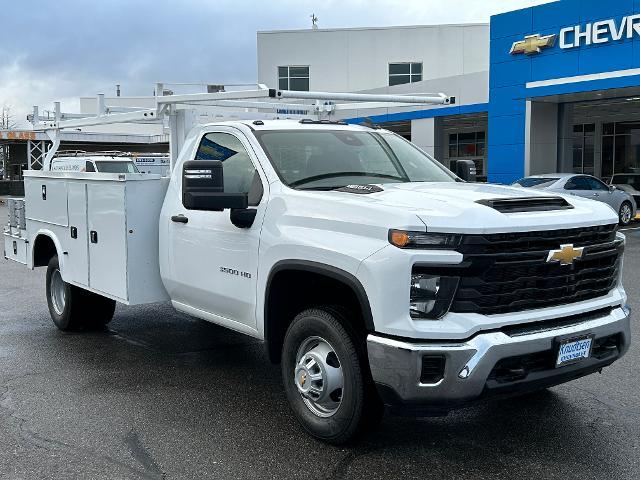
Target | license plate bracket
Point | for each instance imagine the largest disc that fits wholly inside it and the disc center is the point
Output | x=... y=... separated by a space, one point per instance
x=572 y=350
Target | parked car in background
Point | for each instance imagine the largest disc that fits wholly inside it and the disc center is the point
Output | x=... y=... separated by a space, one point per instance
x=585 y=186
x=79 y=161
x=630 y=183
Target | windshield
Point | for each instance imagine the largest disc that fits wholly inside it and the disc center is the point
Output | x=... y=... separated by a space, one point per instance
x=117 y=167
x=633 y=180
x=539 y=182
x=328 y=159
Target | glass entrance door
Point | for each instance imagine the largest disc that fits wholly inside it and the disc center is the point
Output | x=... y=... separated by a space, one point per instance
x=620 y=148
x=583 y=148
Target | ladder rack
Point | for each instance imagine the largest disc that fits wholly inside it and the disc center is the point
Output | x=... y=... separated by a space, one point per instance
x=178 y=113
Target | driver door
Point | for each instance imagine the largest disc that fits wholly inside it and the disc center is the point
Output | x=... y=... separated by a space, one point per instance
x=214 y=264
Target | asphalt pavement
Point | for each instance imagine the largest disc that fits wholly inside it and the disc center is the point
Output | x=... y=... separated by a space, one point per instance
x=162 y=395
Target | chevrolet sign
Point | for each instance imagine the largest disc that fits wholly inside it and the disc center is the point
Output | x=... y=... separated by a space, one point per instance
x=533 y=44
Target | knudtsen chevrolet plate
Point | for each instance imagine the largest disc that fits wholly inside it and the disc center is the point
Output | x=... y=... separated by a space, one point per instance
x=574 y=350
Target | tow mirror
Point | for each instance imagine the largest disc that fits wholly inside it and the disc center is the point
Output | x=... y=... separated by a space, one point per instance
x=203 y=187
x=466 y=170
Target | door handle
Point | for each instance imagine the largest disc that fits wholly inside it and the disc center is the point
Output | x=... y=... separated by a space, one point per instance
x=179 y=219
x=93 y=236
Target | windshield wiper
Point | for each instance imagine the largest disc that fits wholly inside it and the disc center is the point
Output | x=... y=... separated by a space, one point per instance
x=324 y=176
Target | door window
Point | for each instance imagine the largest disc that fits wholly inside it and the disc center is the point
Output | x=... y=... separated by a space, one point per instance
x=578 y=183
x=238 y=170
x=595 y=184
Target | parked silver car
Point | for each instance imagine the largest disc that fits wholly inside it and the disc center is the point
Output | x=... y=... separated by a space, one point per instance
x=630 y=183
x=585 y=186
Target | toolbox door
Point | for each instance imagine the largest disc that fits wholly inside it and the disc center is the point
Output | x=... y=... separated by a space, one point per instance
x=76 y=243
x=107 y=238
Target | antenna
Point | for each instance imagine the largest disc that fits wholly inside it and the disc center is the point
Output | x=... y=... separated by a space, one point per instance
x=314 y=21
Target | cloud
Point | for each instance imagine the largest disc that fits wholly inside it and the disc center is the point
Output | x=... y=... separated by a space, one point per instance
x=69 y=48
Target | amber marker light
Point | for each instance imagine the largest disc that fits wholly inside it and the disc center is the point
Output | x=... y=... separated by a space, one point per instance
x=398 y=238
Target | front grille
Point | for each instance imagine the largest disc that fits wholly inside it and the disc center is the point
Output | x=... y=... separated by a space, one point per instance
x=518 y=368
x=503 y=273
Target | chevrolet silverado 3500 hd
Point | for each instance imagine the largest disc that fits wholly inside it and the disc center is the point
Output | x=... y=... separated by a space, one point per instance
x=374 y=275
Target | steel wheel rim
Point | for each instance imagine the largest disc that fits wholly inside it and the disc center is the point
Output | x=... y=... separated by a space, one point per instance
x=57 y=292
x=625 y=214
x=318 y=377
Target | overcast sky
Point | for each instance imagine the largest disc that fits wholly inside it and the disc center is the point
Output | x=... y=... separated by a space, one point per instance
x=63 y=49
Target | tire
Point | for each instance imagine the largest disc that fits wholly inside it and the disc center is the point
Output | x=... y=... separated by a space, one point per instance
x=625 y=214
x=72 y=308
x=336 y=416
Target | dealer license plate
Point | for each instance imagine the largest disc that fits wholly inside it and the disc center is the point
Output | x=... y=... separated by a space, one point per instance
x=574 y=350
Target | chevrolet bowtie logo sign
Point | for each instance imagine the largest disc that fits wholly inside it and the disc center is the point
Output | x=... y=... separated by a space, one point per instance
x=566 y=255
x=533 y=44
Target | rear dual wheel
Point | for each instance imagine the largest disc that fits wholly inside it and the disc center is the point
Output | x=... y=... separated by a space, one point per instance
x=326 y=378
x=73 y=308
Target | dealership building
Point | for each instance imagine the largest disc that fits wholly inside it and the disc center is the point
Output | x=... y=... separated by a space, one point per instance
x=549 y=88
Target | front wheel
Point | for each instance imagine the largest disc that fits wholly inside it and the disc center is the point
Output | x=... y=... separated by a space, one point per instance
x=325 y=377
x=72 y=308
x=625 y=213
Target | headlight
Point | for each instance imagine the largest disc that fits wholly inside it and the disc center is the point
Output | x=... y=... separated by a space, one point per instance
x=403 y=239
x=431 y=295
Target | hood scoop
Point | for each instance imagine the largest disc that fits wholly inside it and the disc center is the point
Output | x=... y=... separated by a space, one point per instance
x=360 y=189
x=526 y=204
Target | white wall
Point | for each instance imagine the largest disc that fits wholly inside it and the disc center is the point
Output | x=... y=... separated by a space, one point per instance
x=423 y=134
x=542 y=150
x=357 y=59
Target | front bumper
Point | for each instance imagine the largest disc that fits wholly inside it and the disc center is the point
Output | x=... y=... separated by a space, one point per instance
x=471 y=367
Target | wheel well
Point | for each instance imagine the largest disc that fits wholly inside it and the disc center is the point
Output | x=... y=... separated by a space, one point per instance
x=43 y=250
x=294 y=288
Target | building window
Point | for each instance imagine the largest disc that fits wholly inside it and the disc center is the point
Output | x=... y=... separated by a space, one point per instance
x=407 y=72
x=620 y=148
x=293 y=78
x=583 y=148
x=463 y=145
x=469 y=145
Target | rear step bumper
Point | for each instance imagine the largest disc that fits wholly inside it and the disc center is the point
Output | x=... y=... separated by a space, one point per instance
x=440 y=376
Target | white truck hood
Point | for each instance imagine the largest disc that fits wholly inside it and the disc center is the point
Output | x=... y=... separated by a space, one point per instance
x=454 y=207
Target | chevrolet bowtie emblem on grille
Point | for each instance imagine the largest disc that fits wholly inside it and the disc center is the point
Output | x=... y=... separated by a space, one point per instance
x=566 y=255
x=533 y=44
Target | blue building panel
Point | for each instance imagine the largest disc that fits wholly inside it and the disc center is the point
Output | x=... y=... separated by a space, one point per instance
x=556 y=15
x=508 y=162
x=618 y=56
x=511 y=126
x=507 y=74
x=556 y=65
x=603 y=10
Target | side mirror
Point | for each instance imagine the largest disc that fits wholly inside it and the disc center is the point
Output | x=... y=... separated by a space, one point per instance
x=466 y=170
x=203 y=187
x=612 y=188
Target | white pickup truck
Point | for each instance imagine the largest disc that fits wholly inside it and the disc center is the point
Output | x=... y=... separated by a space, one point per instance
x=374 y=275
